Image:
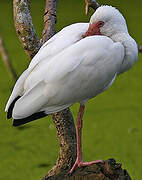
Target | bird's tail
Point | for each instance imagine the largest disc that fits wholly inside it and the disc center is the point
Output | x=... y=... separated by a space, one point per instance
x=35 y=116
x=18 y=122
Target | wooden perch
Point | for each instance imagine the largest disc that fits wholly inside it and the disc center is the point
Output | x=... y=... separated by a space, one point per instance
x=63 y=120
x=7 y=60
x=50 y=20
x=24 y=27
x=109 y=170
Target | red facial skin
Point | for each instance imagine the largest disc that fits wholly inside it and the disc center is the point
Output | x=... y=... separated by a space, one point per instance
x=94 y=29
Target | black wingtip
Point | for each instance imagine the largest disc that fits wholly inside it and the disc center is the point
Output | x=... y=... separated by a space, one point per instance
x=35 y=116
x=10 y=109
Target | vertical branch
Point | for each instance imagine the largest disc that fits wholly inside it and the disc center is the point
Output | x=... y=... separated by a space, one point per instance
x=24 y=27
x=7 y=61
x=67 y=142
x=50 y=20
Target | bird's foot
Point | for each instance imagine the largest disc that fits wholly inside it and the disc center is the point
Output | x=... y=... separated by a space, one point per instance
x=81 y=164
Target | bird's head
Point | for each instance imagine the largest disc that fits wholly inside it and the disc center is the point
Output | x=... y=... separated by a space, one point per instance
x=106 y=21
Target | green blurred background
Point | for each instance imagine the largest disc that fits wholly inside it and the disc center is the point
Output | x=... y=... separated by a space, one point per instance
x=112 y=121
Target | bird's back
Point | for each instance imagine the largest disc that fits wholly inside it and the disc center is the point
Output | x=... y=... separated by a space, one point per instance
x=78 y=73
x=60 y=41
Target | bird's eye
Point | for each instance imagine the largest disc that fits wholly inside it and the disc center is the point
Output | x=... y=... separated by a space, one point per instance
x=100 y=24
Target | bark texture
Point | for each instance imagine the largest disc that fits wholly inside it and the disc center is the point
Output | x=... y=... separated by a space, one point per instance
x=50 y=20
x=63 y=120
x=109 y=170
x=24 y=27
x=67 y=142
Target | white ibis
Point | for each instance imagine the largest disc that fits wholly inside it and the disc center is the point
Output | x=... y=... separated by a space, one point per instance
x=75 y=65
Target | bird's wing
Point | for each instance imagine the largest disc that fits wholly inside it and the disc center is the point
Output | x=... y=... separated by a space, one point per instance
x=78 y=73
x=60 y=41
x=18 y=88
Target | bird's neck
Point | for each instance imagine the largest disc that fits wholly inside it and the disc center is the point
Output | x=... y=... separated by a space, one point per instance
x=131 y=50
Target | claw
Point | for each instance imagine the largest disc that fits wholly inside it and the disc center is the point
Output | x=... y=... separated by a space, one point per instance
x=82 y=164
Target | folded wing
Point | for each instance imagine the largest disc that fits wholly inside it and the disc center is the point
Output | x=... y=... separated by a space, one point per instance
x=78 y=73
x=60 y=41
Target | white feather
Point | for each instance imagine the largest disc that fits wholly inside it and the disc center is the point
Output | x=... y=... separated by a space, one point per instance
x=74 y=75
x=18 y=88
x=63 y=39
x=60 y=41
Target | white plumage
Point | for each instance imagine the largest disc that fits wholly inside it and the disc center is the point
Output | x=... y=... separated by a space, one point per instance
x=69 y=68
x=69 y=78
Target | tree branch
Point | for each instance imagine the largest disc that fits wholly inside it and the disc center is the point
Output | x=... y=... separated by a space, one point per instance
x=7 y=61
x=50 y=20
x=109 y=170
x=67 y=141
x=24 y=27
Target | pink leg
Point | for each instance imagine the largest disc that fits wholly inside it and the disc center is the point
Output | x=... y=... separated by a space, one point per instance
x=79 y=161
